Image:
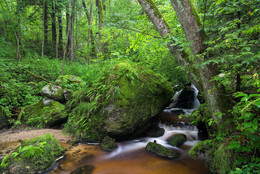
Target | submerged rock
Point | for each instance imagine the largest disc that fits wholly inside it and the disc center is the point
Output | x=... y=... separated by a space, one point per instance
x=177 y=140
x=161 y=151
x=36 y=155
x=108 y=144
x=120 y=103
x=4 y=123
x=87 y=169
x=45 y=113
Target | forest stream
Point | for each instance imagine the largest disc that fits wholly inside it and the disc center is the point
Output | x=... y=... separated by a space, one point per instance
x=131 y=157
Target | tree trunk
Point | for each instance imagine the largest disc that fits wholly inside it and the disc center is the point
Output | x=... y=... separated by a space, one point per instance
x=45 y=23
x=91 y=38
x=54 y=30
x=43 y=29
x=60 y=49
x=101 y=15
x=191 y=25
x=18 y=55
x=72 y=55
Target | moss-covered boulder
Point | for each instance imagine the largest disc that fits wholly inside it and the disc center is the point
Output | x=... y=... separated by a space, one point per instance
x=161 y=151
x=45 y=113
x=108 y=144
x=69 y=84
x=53 y=92
x=4 y=123
x=119 y=103
x=36 y=155
x=177 y=140
x=63 y=88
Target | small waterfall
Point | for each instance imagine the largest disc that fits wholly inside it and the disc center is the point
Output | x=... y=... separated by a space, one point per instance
x=134 y=145
x=185 y=100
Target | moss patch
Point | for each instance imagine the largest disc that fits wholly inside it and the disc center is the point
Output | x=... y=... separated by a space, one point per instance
x=33 y=156
x=177 y=140
x=108 y=144
x=45 y=113
x=161 y=151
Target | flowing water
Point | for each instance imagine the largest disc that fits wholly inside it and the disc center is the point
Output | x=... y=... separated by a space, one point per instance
x=131 y=157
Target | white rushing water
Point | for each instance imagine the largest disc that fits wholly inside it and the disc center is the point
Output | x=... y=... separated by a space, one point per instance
x=175 y=100
x=191 y=132
x=134 y=145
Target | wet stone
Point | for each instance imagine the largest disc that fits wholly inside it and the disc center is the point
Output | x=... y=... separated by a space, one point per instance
x=177 y=140
x=161 y=151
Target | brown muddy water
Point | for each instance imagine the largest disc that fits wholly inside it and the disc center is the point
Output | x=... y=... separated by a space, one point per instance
x=131 y=157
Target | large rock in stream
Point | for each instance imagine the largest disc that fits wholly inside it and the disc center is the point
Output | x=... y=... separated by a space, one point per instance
x=161 y=151
x=120 y=103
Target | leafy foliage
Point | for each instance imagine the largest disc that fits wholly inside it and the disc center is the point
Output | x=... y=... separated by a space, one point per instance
x=39 y=153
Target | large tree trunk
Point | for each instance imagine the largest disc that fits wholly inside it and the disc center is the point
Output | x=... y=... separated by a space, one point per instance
x=201 y=77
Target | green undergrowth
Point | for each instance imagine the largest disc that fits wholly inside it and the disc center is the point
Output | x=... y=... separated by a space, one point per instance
x=21 y=82
x=34 y=155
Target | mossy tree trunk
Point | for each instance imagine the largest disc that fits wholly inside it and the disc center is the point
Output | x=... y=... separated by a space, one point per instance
x=201 y=77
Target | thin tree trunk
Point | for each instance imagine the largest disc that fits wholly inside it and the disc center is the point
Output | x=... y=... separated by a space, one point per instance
x=60 y=50
x=43 y=27
x=72 y=55
x=45 y=24
x=18 y=55
x=5 y=26
x=54 y=29
x=91 y=38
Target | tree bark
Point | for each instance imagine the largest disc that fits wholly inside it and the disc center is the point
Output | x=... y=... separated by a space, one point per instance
x=45 y=23
x=60 y=49
x=201 y=77
x=72 y=16
x=18 y=55
x=54 y=29
x=91 y=38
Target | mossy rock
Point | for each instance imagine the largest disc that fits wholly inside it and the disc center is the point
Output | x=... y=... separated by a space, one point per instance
x=45 y=113
x=120 y=103
x=108 y=144
x=177 y=140
x=70 y=82
x=36 y=155
x=53 y=92
x=161 y=151
x=4 y=123
x=155 y=132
